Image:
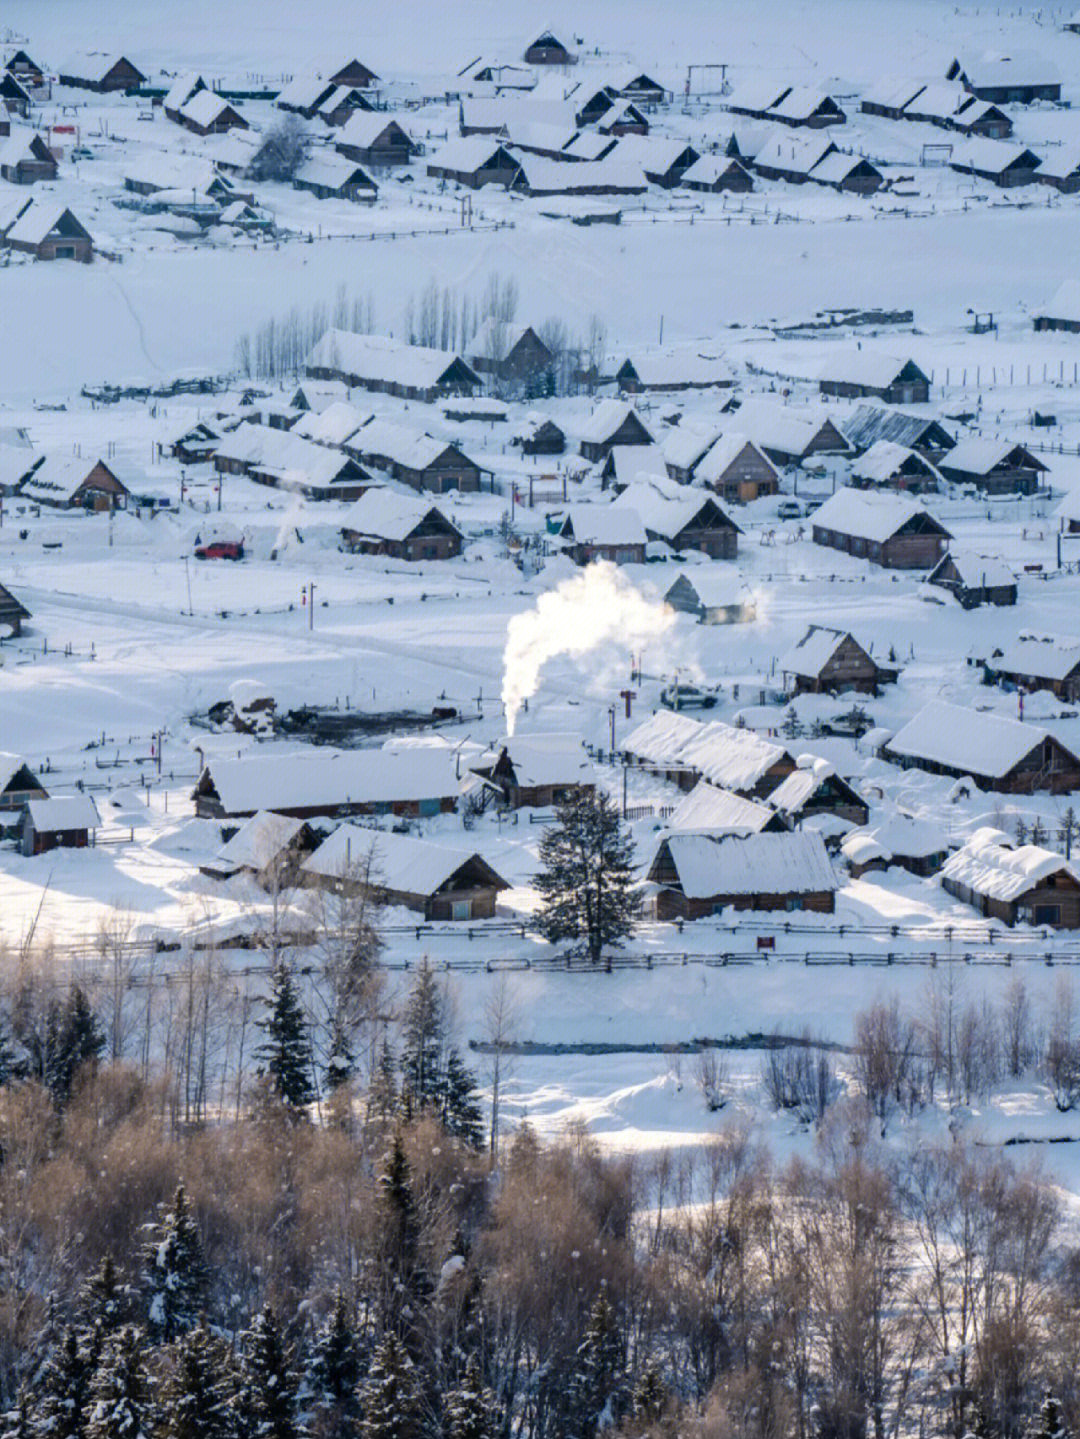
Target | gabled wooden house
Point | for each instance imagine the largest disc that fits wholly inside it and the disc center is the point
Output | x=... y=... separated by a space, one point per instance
x=12 y=612
x=697 y=875
x=814 y=789
x=536 y=771
x=993 y=466
x=474 y=161
x=886 y=529
x=513 y=353
x=828 y=661
x=548 y=49
x=612 y=423
x=683 y=519
x=59 y=822
x=416 y=458
x=886 y=465
x=603 y=532
x=1035 y=661
x=373 y=139
x=401 y=527
x=69 y=483
x=862 y=374
x=25 y=158
x=18 y=784
x=354 y=73
x=97 y=70
x=1017 y=884
x=974 y=579
x=996 y=752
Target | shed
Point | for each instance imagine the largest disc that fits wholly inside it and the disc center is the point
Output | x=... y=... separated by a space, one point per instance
x=269 y=847
x=998 y=753
x=539 y=435
x=25 y=157
x=613 y=422
x=714 y=596
x=60 y=822
x=973 y=578
x=536 y=770
x=912 y=844
x=1063 y=311
x=698 y=875
x=603 y=532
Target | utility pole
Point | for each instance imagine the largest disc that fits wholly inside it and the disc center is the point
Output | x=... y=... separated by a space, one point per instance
x=311 y=605
x=187 y=571
x=611 y=717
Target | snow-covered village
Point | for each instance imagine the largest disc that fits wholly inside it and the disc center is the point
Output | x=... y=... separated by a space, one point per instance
x=539 y=720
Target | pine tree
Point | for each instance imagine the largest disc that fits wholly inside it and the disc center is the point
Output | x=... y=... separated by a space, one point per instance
x=461 y=1114
x=9 y=1065
x=266 y=1408
x=199 y=1391
x=470 y=1410
x=120 y=1403
x=390 y=1395
x=75 y=1038
x=340 y=1063
x=17 y=1423
x=651 y=1397
x=286 y=1054
x=175 y=1273
x=422 y=1047
x=598 y=1384
x=383 y=1092
x=60 y=1395
x=336 y=1365
x=586 y=876
x=104 y=1302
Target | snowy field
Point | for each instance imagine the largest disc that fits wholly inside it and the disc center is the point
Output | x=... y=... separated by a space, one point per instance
x=132 y=640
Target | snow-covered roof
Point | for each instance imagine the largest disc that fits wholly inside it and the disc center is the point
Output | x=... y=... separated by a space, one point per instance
x=606 y=420
x=683 y=366
x=378 y=357
x=333 y=425
x=399 y=863
x=708 y=810
x=364 y=127
x=1051 y=657
x=258 y=842
x=873 y=422
x=545 y=759
x=990 y=156
x=1069 y=509
x=325 y=780
x=63 y=811
x=1060 y=164
x=716 y=586
x=757 y=94
x=332 y=171
x=37 y=221
x=968 y=740
x=612 y=175
x=290 y=459
x=893 y=94
x=990 y=864
x=19 y=146
x=634 y=462
x=172 y=172
x=730 y=758
x=898 y=836
x=772 y=864
x=941 y=99
x=686 y=445
x=412 y=449
x=182 y=89
x=883 y=460
x=516 y=113
x=15 y=464
x=801 y=784
x=1022 y=67
x=777 y=426
x=809 y=656
x=978 y=456
x=836 y=167
x=10 y=765
x=797 y=151
x=90 y=64
x=800 y=102
x=388 y=514
x=978 y=571
x=866 y=514
x=665 y=508
x=57 y=477
x=723 y=454
x=593 y=524
x=862 y=367
x=205 y=107
x=707 y=169
x=466 y=154
x=303 y=92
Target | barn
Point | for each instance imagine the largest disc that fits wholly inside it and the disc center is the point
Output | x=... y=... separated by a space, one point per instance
x=1015 y=883
x=61 y=822
x=403 y=527
x=888 y=530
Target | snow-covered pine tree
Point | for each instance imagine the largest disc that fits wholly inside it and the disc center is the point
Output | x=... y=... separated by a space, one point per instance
x=598 y=1390
x=17 y=1423
x=77 y=1039
x=174 y=1272
x=9 y=1065
x=121 y=1406
x=390 y=1395
x=104 y=1302
x=423 y=1043
x=461 y=1114
x=266 y=1405
x=60 y=1392
x=383 y=1091
x=651 y=1397
x=340 y=1062
x=286 y=1053
x=200 y=1390
x=335 y=1366
x=586 y=876
x=470 y=1410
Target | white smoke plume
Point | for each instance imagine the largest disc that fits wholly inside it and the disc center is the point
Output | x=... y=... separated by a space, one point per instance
x=595 y=608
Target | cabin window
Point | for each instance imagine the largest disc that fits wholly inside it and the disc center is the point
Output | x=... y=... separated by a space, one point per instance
x=429 y=806
x=1048 y=914
x=461 y=909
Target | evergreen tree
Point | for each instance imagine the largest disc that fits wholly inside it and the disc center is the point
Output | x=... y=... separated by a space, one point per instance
x=651 y=1397
x=586 y=876
x=286 y=1054
x=336 y=1365
x=422 y=1046
x=120 y=1403
x=104 y=1302
x=266 y=1407
x=73 y=1037
x=17 y=1423
x=470 y=1410
x=597 y=1391
x=9 y=1065
x=405 y=1282
x=199 y=1391
x=383 y=1091
x=461 y=1114
x=340 y=1063
x=175 y=1274
x=390 y=1395
x=60 y=1395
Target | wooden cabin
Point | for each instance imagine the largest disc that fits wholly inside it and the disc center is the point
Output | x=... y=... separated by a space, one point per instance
x=332 y=177
x=886 y=465
x=354 y=73
x=416 y=458
x=370 y=138
x=698 y=875
x=828 y=661
x=387 y=366
x=612 y=423
x=974 y=579
x=1016 y=884
x=18 y=784
x=474 y=162
x=269 y=848
x=912 y=844
x=814 y=789
x=96 y=70
x=59 y=822
x=993 y=466
x=998 y=753
x=886 y=529
x=1038 y=662
x=548 y=49
x=859 y=374
x=536 y=771
x=47 y=230
x=12 y=612
x=713 y=598
x=401 y=527
x=514 y=354
x=67 y=482
x=603 y=532
x=25 y=159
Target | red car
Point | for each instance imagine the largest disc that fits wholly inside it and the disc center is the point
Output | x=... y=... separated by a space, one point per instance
x=221 y=550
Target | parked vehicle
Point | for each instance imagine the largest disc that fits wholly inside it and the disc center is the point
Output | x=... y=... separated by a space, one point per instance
x=686 y=697
x=221 y=550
